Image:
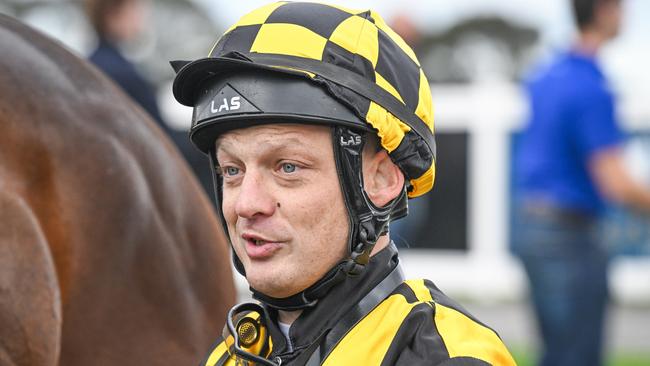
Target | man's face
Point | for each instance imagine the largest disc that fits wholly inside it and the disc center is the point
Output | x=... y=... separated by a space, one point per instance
x=283 y=204
x=127 y=21
x=609 y=17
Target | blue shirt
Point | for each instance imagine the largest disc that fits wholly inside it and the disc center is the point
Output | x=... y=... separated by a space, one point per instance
x=572 y=118
x=109 y=59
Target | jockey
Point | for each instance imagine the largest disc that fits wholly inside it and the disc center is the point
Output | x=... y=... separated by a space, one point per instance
x=319 y=127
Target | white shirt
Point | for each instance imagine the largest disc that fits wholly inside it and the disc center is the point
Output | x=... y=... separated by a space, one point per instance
x=285 y=330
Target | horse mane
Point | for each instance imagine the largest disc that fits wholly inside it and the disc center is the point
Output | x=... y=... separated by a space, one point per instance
x=110 y=253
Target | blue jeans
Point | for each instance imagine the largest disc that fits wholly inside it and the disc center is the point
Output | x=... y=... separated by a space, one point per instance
x=567 y=271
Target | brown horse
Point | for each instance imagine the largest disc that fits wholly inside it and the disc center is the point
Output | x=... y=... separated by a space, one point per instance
x=109 y=252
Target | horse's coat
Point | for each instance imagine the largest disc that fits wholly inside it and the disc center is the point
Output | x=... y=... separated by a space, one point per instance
x=109 y=252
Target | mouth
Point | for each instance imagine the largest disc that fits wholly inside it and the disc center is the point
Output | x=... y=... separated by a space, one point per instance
x=260 y=248
x=256 y=239
x=258 y=242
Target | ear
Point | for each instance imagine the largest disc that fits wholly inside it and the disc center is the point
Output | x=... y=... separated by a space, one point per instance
x=383 y=181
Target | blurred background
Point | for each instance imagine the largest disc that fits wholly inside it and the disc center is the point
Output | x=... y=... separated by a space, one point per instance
x=475 y=54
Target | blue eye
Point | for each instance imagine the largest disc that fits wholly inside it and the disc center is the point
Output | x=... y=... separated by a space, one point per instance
x=288 y=167
x=231 y=170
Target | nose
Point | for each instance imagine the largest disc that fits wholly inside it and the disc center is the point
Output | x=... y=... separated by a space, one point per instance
x=254 y=199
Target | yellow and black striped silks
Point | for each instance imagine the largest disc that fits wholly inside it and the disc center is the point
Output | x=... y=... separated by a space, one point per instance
x=364 y=64
x=416 y=325
x=375 y=319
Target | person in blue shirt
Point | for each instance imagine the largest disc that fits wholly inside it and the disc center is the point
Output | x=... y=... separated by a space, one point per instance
x=117 y=22
x=568 y=164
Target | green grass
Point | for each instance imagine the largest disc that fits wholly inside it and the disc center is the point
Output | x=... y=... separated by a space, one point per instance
x=526 y=357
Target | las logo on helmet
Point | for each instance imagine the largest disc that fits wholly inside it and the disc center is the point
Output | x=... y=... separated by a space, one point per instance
x=233 y=105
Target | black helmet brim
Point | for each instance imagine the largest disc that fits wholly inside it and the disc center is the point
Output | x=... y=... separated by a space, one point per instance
x=190 y=74
x=261 y=97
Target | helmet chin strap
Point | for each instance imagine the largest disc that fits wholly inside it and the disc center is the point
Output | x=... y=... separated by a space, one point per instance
x=366 y=221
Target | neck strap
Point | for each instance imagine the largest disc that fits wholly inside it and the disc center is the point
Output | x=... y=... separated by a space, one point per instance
x=355 y=315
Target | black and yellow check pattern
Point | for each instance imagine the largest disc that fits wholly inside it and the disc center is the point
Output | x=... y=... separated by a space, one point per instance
x=355 y=50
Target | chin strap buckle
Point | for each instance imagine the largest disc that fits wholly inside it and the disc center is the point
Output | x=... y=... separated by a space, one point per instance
x=246 y=324
x=360 y=255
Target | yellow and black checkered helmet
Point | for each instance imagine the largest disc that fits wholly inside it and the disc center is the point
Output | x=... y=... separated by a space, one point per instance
x=374 y=77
